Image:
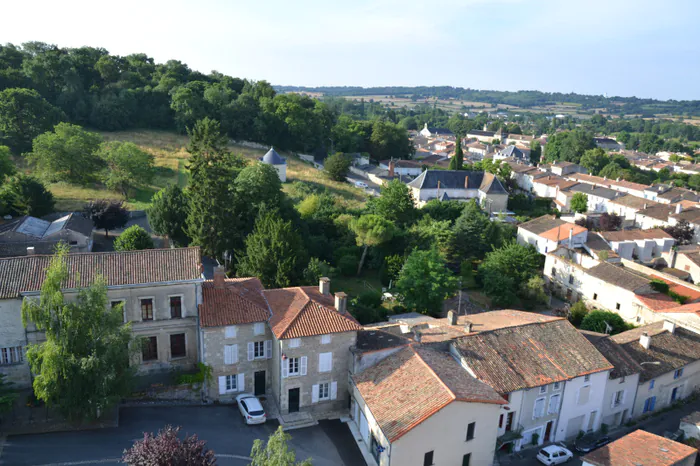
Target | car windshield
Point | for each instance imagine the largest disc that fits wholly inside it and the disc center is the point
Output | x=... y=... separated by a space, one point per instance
x=544 y=453
x=257 y=413
x=253 y=406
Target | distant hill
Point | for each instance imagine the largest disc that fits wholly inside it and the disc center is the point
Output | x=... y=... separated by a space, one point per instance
x=521 y=99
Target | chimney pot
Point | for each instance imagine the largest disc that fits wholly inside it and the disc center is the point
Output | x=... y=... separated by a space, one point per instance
x=645 y=340
x=31 y=251
x=416 y=335
x=341 y=301
x=679 y=208
x=468 y=327
x=452 y=317
x=324 y=286
x=219 y=276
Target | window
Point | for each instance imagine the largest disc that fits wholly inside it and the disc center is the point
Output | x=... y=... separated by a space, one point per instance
x=500 y=421
x=618 y=397
x=176 y=307
x=571 y=279
x=587 y=378
x=293 y=366
x=231 y=383
x=295 y=343
x=649 y=404
x=259 y=328
x=258 y=349
x=595 y=296
x=149 y=350
x=584 y=394
x=557 y=386
x=470 y=431
x=543 y=389
x=11 y=355
x=325 y=362
x=678 y=373
x=177 y=346
x=230 y=354
x=116 y=303
x=507 y=397
x=147 y=309
x=538 y=410
x=428 y=459
x=324 y=391
x=554 y=272
x=553 y=404
x=230 y=331
x=617 y=306
x=651 y=384
x=466 y=459
x=325 y=339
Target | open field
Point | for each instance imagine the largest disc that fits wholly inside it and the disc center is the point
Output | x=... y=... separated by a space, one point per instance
x=169 y=151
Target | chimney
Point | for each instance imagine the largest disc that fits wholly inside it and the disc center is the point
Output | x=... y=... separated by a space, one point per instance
x=605 y=178
x=645 y=340
x=669 y=326
x=219 y=276
x=571 y=237
x=416 y=334
x=31 y=251
x=392 y=164
x=341 y=301
x=679 y=208
x=466 y=182
x=468 y=327
x=618 y=179
x=645 y=206
x=452 y=317
x=324 y=286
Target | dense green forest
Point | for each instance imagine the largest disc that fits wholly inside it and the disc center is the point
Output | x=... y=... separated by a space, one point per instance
x=523 y=99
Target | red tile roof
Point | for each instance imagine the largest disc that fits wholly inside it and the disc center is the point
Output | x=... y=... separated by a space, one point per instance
x=239 y=301
x=27 y=273
x=414 y=383
x=682 y=290
x=640 y=448
x=658 y=301
x=526 y=356
x=304 y=311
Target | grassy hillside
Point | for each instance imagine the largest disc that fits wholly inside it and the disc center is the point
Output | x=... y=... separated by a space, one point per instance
x=169 y=150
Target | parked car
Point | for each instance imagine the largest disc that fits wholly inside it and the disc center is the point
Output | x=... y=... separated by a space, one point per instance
x=251 y=409
x=361 y=184
x=676 y=436
x=590 y=442
x=554 y=454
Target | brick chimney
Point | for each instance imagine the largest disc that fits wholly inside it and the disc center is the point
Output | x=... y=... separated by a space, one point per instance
x=324 y=286
x=341 y=301
x=219 y=276
x=452 y=317
x=645 y=340
x=392 y=165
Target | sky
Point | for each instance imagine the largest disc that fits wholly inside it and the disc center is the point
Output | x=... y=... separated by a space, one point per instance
x=643 y=48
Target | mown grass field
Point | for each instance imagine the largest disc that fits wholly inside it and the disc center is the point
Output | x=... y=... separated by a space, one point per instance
x=169 y=151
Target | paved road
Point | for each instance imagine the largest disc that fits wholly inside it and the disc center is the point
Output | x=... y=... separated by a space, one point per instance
x=329 y=444
x=372 y=189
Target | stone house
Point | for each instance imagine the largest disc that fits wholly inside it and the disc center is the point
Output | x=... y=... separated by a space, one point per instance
x=461 y=185
x=30 y=235
x=159 y=289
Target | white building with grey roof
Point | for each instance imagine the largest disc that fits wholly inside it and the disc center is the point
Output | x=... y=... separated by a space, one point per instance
x=460 y=185
x=277 y=162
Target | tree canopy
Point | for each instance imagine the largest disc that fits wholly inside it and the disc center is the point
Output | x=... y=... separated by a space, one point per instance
x=133 y=238
x=337 y=166
x=425 y=281
x=167 y=449
x=579 y=203
x=127 y=166
x=107 y=214
x=25 y=114
x=595 y=321
x=395 y=203
x=371 y=230
x=275 y=452
x=25 y=195
x=167 y=214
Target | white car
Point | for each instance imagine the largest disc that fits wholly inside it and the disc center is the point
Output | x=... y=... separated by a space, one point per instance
x=251 y=409
x=554 y=454
x=361 y=184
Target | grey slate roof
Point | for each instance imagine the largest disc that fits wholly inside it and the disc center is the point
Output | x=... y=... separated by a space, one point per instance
x=455 y=179
x=512 y=151
x=541 y=224
x=273 y=158
x=618 y=276
x=624 y=364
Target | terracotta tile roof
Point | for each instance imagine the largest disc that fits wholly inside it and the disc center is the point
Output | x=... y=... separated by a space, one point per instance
x=414 y=383
x=631 y=235
x=527 y=356
x=27 y=273
x=560 y=234
x=304 y=311
x=640 y=448
x=634 y=202
x=493 y=320
x=659 y=212
x=657 y=301
x=691 y=215
x=672 y=350
x=233 y=304
x=683 y=290
x=542 y=224
x=624 y=365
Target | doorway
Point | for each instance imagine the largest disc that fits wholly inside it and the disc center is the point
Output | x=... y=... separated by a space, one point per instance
x=260 y=382
x=509 y=421
x=674 y=394
x=548 y=431
x=293 y=400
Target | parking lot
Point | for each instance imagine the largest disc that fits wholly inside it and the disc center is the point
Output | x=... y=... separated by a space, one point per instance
x=329 y=443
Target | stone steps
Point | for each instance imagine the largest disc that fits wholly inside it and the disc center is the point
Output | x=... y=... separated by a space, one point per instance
x=297 y=421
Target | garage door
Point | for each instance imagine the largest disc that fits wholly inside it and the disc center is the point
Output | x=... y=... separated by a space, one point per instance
x=574 y=426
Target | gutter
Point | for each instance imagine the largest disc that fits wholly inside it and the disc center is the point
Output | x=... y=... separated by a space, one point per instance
x=118 y=287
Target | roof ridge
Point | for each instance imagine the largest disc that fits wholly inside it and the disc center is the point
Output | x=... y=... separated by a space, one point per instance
x=449 y=390
x=103 y=253
x=524 y=324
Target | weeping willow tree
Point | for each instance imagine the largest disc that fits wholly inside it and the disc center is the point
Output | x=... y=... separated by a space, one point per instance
x=82 y=369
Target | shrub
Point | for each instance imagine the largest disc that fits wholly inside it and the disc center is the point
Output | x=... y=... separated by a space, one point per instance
x=596 y=321
x=679 y=298
x=337 y=166
x=133 y=238
x=577 y=313
x=659 y=285
x=348 y=265
x=370 y=299
x=168 y=448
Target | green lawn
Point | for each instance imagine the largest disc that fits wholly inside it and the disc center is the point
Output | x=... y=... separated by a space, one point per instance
x=170 y=153
x=354 y=286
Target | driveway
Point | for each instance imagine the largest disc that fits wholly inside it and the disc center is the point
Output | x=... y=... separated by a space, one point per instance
x=328 y=444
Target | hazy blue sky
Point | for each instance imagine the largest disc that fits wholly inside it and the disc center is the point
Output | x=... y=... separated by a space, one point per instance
x=647 y=48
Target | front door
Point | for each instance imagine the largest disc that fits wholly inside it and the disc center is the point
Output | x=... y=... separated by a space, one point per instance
x=548 y=431
x=293 y=400
x=509 y=421
x=674 y=394
x=260 y=383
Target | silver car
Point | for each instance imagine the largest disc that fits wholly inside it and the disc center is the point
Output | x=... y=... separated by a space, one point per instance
x=251 y=409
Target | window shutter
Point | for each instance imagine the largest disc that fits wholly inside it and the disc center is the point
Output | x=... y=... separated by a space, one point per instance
x=612 y=402
x=228 y=354
x=268 y=349
x=222 y=384
x=285 y=368
x=314 y=394
x=334 y=390
x=241 y=383
x=624 y=395
x=251 y=351
x=303 y=365
x=230 y=331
